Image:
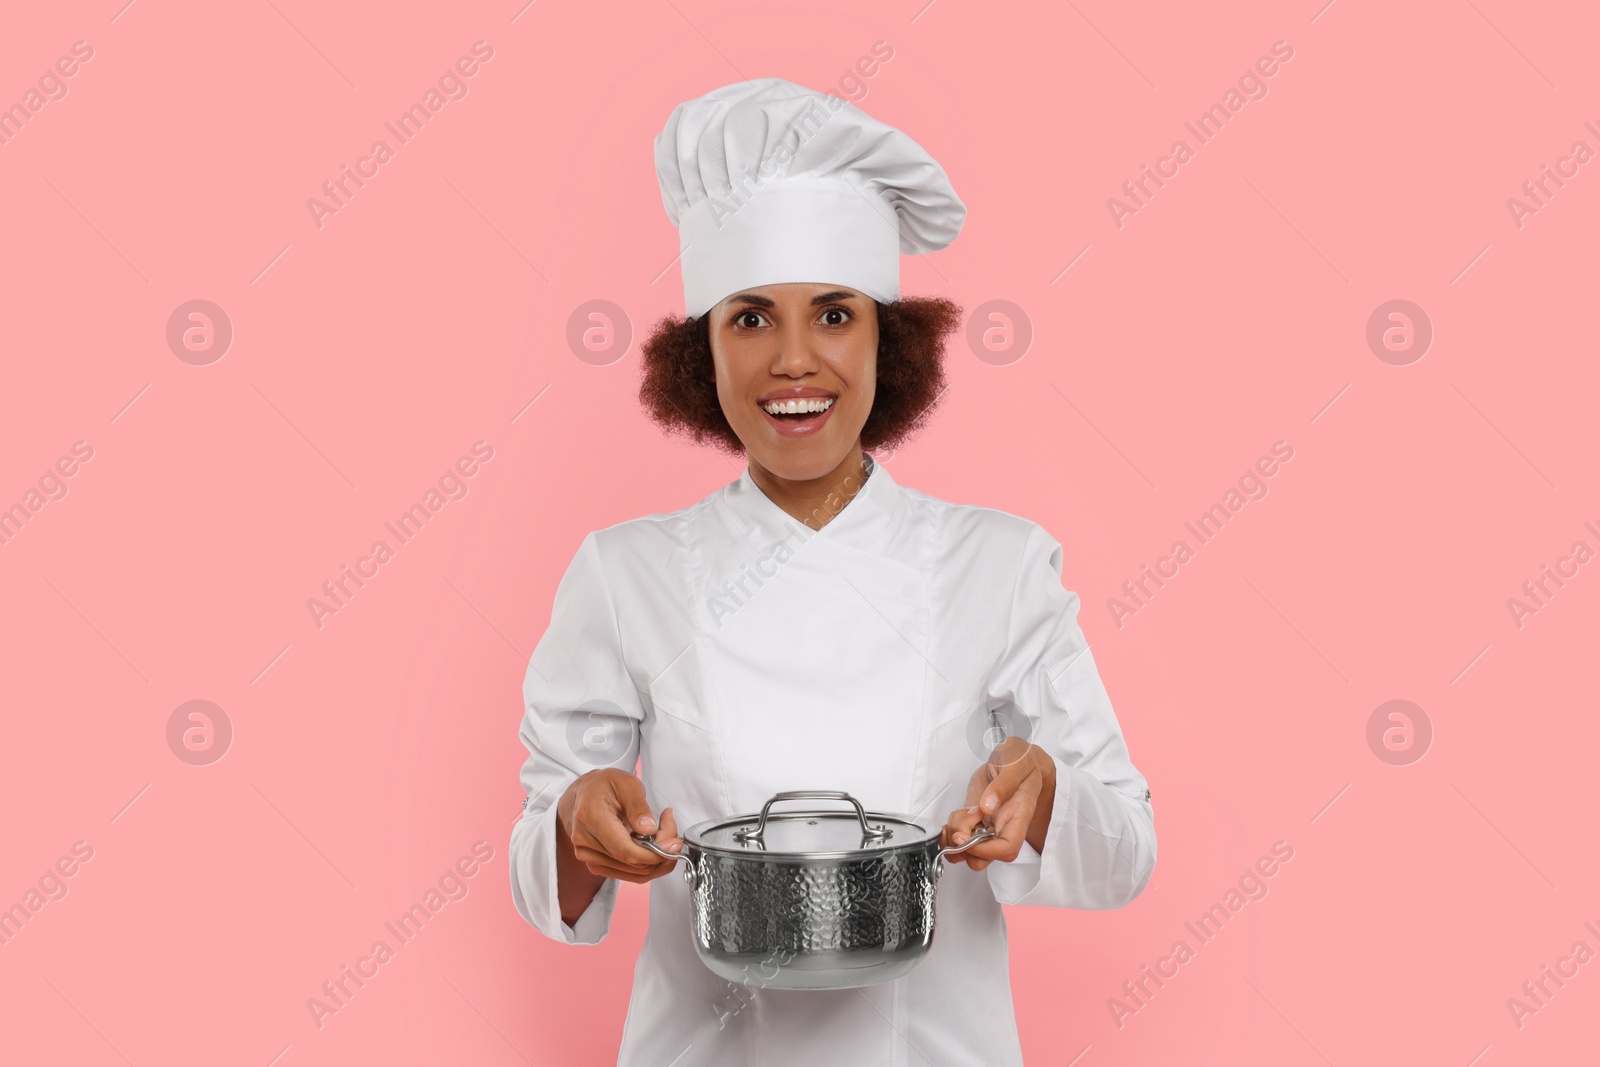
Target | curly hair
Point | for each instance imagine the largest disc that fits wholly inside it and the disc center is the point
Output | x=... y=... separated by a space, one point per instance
x=679 y=391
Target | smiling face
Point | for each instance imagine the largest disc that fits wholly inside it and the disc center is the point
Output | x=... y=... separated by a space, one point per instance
x=796 y=369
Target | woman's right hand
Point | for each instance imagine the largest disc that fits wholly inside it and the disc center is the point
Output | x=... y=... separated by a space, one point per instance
x=600 y=810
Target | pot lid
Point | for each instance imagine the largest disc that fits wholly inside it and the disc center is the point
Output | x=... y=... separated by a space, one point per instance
x=809 y=833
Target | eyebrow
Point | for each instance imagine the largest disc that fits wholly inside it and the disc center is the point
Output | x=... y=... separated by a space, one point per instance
x=766 y=302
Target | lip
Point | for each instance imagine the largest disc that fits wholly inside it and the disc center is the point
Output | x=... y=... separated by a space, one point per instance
x=804 y=428
x=791 y=428
x=798 y=392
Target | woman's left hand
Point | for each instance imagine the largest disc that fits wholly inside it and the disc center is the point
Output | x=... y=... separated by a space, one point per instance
x=1014 y=791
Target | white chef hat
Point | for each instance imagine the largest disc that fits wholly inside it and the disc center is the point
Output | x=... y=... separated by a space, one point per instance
x=769 y=182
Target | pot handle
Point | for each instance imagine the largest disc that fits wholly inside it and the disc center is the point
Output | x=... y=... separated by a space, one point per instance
x=811 y=794
x=983 y=834
x=649 y=842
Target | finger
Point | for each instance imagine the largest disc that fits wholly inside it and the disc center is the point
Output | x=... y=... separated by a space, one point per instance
x=962 y=825
x=1005 y=845
x=611 y=841
x=1006 y=783
x=632 y=815
x=977 y=863
x=602 y=857
x=632 y=805
x=667 y=837
x=1020 y=804
x=961 y=821
x=668 y=834
x=1009 y=826
x=622 y=873
x=973 y=854
x=980 y=855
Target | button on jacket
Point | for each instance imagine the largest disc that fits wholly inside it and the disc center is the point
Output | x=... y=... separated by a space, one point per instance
x=737 y=653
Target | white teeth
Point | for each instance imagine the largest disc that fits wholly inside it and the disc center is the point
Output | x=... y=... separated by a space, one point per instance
x=796 y=407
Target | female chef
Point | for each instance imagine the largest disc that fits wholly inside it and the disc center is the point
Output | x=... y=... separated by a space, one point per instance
x=815 y=624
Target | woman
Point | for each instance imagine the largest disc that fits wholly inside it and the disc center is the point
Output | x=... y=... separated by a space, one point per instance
x=814 y=624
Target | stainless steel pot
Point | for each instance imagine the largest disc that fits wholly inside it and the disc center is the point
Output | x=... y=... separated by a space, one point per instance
x=812 y=899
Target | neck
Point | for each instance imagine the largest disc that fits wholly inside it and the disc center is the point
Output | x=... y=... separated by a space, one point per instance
x=815 y=501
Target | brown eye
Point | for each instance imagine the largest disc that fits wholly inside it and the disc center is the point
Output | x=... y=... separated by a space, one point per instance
x=835 y=317
x=744 y=318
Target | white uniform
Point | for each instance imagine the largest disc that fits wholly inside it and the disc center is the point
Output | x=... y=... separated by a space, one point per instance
x=740 y=653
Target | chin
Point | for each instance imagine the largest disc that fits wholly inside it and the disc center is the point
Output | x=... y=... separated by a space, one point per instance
x=800 y=461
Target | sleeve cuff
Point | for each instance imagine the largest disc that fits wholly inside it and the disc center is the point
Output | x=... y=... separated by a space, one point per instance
x=535 y=886
x=596 y=918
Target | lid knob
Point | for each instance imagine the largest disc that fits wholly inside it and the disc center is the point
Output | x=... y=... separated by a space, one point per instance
x=747 y=835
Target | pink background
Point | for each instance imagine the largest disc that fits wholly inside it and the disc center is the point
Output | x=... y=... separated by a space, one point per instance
x=1230 y=312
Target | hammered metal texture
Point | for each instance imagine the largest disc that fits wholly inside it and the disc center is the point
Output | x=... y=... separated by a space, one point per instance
x=745 y=905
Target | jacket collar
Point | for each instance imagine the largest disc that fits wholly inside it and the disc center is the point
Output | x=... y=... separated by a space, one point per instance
x=865 y=522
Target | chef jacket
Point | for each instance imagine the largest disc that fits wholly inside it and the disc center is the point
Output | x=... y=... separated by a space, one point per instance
x=737 y=653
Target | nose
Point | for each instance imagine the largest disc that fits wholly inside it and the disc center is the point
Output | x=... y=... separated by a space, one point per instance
x=794 y=356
